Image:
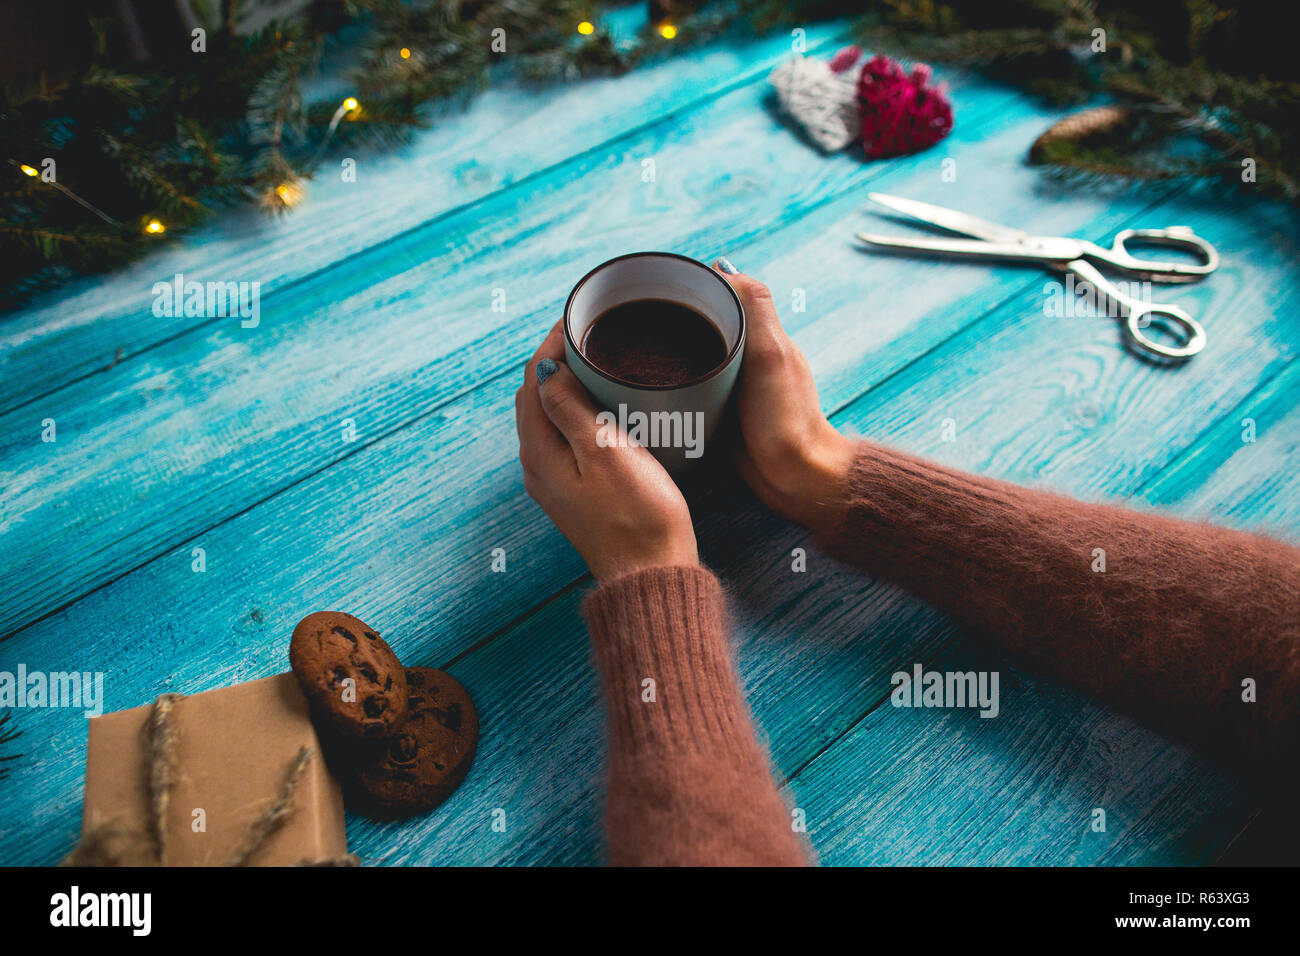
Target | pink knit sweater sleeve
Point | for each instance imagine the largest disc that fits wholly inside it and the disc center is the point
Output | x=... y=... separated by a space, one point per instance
x=689 y=783
x=1193 y=628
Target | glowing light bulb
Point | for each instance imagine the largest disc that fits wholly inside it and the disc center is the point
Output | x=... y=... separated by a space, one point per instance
x=155 y=227
x=30 y=171
x=351 y=104
x=586 y=28
x=288 y=194
x=405 y=53
x=668 y=31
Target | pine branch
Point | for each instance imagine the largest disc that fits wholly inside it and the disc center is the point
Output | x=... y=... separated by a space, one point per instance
x=138 y=140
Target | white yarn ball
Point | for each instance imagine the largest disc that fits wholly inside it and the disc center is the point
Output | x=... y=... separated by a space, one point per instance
x=825 y=104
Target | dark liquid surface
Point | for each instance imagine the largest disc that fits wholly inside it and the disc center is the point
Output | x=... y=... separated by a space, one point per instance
x=654 y=342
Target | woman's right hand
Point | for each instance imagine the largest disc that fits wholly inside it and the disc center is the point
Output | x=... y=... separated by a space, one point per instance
x=615 y=503
x=792 y=457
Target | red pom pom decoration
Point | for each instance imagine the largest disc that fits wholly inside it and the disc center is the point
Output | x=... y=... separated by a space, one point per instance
x=845 y=59
x=900 y=114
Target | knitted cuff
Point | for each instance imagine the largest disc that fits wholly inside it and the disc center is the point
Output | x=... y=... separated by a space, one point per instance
x=661 y=647
x=902 y=513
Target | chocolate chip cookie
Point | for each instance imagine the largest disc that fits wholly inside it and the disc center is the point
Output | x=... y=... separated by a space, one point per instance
x=353 y=679
x=425 y=759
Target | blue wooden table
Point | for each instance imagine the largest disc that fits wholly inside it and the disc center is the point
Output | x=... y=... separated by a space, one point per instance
x=356 y=450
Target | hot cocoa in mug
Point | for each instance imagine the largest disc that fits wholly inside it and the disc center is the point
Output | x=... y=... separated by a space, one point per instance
x=657 y=339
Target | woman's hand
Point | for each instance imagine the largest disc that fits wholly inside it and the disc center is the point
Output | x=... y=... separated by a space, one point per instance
x=615 y=504
x=792 y=457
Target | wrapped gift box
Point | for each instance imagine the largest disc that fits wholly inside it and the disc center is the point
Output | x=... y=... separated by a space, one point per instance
x=231 y=750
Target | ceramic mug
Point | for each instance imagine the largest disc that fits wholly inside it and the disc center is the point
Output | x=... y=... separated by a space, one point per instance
x=675 y=422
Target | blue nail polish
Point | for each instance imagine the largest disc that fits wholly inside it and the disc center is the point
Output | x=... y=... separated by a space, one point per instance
x=545 y=369
x=724 y=265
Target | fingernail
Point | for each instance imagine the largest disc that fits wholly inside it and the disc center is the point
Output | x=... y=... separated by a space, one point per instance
x=724 y=265
x=545 y=369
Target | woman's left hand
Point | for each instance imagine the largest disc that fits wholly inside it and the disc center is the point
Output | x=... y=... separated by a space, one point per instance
x=615 y=503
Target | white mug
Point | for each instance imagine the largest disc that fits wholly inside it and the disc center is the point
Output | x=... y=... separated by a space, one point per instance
x=674 y=421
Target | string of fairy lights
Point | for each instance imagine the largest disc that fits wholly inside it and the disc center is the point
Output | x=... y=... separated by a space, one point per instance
x=288 y=194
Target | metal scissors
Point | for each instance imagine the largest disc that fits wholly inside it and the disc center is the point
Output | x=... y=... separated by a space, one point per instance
x=1063 y=254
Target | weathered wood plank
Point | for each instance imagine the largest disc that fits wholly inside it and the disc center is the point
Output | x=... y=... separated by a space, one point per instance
x=1242 y=471
x=858 y=793
x=1016 y=790
x=435 y=604
x=942 y=787
x=508 y=136
x=1038 y=774
x=401 y=530
x=230 y=415
x=1059 y=415
x=934 y=786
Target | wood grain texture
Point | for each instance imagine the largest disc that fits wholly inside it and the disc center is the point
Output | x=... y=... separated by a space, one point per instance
x=863 y=798
x=1056 y=435
x=508 y=137
x=233 y=445
x=230 y=415
x=935 y=786
x=1242 y=471
x=438 y=604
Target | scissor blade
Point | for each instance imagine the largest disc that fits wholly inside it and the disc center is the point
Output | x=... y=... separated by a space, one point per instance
x=949 y=218
x=951 y=247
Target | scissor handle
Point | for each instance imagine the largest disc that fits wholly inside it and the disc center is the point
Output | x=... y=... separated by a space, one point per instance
x=1186 y=328
x=1138 y=318
x=1178 y=237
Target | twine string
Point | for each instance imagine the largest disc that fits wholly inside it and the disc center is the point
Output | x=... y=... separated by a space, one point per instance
x=111 y=844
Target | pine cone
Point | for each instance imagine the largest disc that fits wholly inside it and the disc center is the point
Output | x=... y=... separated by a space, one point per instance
x=1079 y=126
